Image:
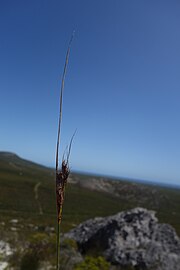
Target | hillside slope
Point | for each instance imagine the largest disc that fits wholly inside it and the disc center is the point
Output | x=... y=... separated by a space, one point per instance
x=27 y=193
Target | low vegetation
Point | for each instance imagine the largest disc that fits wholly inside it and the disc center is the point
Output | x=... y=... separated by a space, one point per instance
x=91 y=263
x=27 y=229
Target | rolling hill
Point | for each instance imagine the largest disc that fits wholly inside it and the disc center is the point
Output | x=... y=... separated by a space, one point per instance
x=27 y=195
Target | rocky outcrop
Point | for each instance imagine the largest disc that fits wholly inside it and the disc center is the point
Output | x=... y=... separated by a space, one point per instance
x=5 y=252
x=131 y=238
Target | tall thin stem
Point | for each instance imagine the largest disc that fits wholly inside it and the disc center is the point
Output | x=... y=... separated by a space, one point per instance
x=58 y=247
x=63 y=172
x=61 y=101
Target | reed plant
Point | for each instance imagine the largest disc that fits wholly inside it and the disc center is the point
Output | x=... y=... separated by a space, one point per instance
x=62 y=171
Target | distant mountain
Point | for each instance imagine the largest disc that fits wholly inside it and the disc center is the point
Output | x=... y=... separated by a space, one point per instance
x=7 y=154
x=8 y=158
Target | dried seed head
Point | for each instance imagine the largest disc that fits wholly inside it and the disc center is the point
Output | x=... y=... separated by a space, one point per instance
x=61 y=180
x=63 y=173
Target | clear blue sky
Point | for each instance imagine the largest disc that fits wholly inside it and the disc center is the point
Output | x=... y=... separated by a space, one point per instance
x=122 y=90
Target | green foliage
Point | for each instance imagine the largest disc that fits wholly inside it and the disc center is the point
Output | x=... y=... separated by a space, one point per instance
x=91 y=263
x=69 y=244
x=15 y=259
x=43 y=244
x=29 y=261
x=19 y=177
x=69 y=255
x=40 y=247
x=38 y=238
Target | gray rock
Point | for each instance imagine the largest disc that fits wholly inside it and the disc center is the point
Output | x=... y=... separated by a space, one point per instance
x=131 y=238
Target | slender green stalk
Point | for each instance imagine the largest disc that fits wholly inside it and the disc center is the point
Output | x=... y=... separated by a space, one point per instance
x=63 y=172
x=61 y=102
x=58 y=247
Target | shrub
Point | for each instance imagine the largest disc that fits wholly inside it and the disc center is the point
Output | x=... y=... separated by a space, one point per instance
x=91 y=263
x=69 y=244
x=29 y=261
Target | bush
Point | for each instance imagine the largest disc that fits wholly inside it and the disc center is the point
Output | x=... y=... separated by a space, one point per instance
x=69 y=244
x=91 y=263
x=29 y=261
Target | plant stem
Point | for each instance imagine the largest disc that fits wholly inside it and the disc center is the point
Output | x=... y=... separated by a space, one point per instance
x=61 y=174
x=58 y=239
x=58 y=247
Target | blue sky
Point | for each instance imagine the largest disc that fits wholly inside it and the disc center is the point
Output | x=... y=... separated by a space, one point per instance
x=122 y=89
